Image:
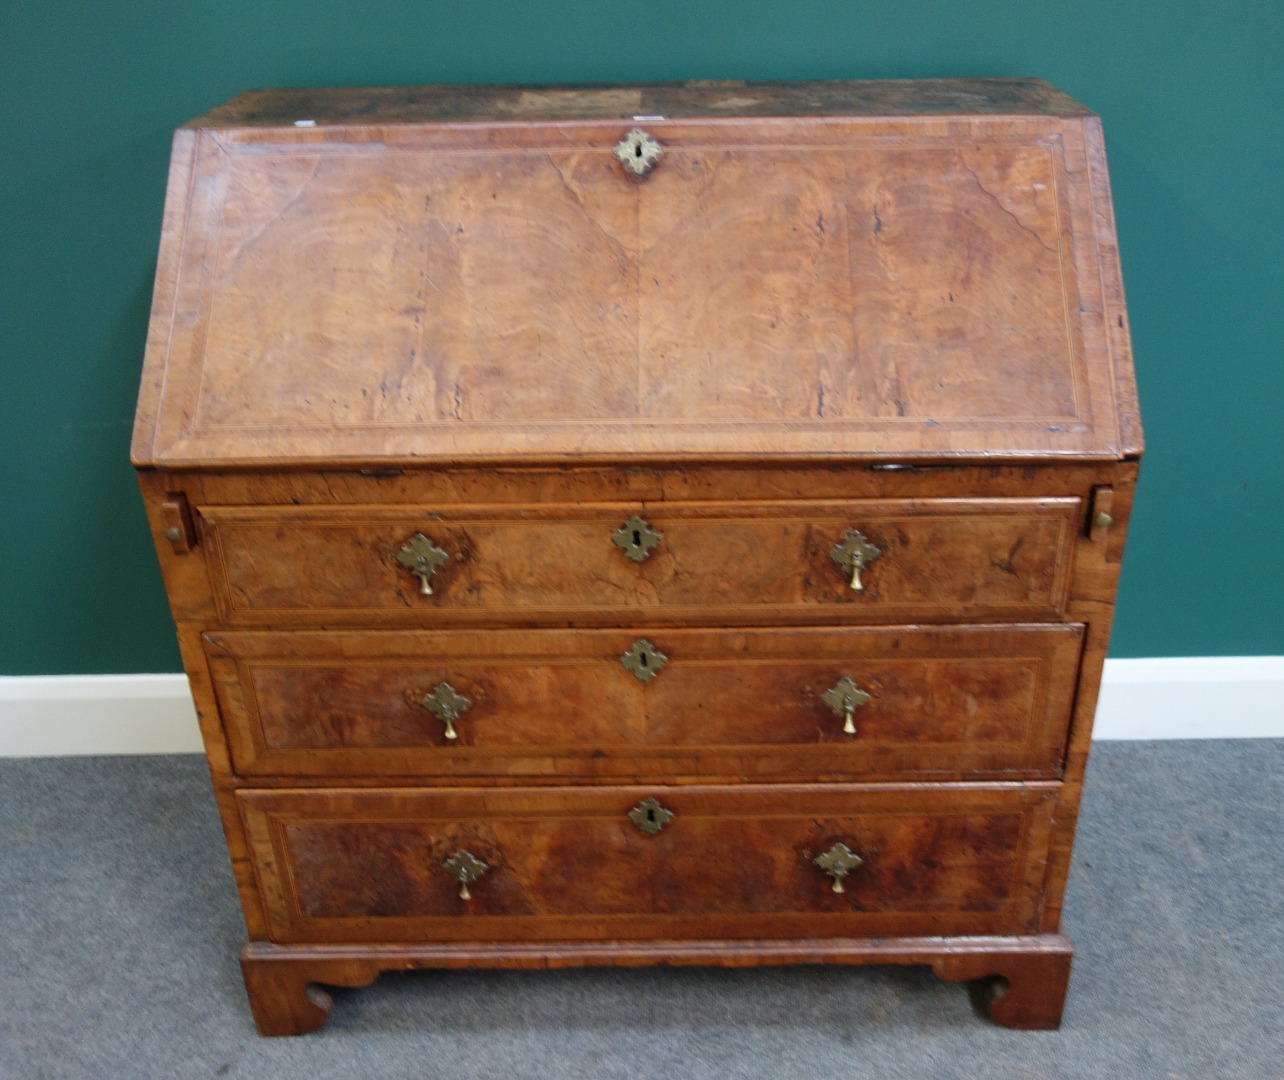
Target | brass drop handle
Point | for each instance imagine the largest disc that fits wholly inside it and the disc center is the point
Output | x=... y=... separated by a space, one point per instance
x=447 y=704
x=422 y=558
x=853 y=554
x=843 y=699
x=838 y=862
x=465 y=868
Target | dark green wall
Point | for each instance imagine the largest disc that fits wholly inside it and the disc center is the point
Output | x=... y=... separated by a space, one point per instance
x=1190 y=94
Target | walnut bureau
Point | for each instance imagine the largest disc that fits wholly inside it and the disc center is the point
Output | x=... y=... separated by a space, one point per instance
x=654 y=524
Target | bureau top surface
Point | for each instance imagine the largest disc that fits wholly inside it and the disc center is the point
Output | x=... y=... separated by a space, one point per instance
x=707 y=98
x=903 y=270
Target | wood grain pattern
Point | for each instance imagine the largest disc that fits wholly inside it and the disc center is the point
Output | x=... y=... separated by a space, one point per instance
x=734 y=563
x=1032 y=983
x=284 y=996
x=975 y=702
x=567 y=863
x=778 y=286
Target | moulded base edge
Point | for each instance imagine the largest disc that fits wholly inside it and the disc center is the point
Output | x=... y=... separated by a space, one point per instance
x=1028 y=974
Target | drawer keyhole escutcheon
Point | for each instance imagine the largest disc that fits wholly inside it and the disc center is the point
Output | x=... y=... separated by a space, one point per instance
x=636 y=538
x=638 y=152
x=838 y=862
x=644 y=660
x=853 y=554
x=447 y=704
x=843 y=699
x=422 y=558
x=465 y=868
x=650 y=815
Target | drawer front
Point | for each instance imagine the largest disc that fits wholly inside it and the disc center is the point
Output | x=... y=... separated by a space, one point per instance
x=963 y=701
x=728 y=563
x=570 y=864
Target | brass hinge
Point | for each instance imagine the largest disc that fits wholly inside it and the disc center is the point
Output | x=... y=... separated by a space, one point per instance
x=1099 y=517
x=176 y=522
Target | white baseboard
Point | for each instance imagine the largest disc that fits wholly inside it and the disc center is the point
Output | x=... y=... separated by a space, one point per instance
x=1201 y=697
x=57 y=715
x=1192 y=697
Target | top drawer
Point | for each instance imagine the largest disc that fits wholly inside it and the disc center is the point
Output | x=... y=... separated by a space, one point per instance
x=931 y=559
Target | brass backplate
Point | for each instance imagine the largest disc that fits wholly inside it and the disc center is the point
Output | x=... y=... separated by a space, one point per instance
x=838 y=862
x=844 y=696
x=650 y=816
x=638 y=152
x=447 y=704
x=465 y=868
x=422 y=558
x=636 y=538
x=854 y=553
x=644 y=660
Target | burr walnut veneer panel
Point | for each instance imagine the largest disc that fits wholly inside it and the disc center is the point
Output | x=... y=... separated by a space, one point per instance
x=728 y=562
x=787 y=285
x=566 y=864
x=989 y=701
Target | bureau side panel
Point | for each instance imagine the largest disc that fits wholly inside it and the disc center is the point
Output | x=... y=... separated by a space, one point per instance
x=183 y=567
x=1097 y=575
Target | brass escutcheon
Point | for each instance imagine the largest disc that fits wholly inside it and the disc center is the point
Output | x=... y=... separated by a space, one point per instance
x=853 y=554
x=838 y=862
x=421 y=557
x=644 y=660
x=636 y=538
x=844 y=698
x=447 y=704
x=650 y=816
x=465 y=868
x=638 y=152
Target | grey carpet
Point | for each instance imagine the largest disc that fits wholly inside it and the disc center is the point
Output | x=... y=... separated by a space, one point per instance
x=119 y=930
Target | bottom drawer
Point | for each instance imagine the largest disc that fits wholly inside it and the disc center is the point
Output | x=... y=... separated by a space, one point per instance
x=572 y=864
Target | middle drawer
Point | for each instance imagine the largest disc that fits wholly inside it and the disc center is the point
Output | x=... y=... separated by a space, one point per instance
x=829 y=703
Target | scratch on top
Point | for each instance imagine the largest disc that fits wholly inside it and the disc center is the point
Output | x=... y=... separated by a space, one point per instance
x=579 y=202
x=999 y=203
